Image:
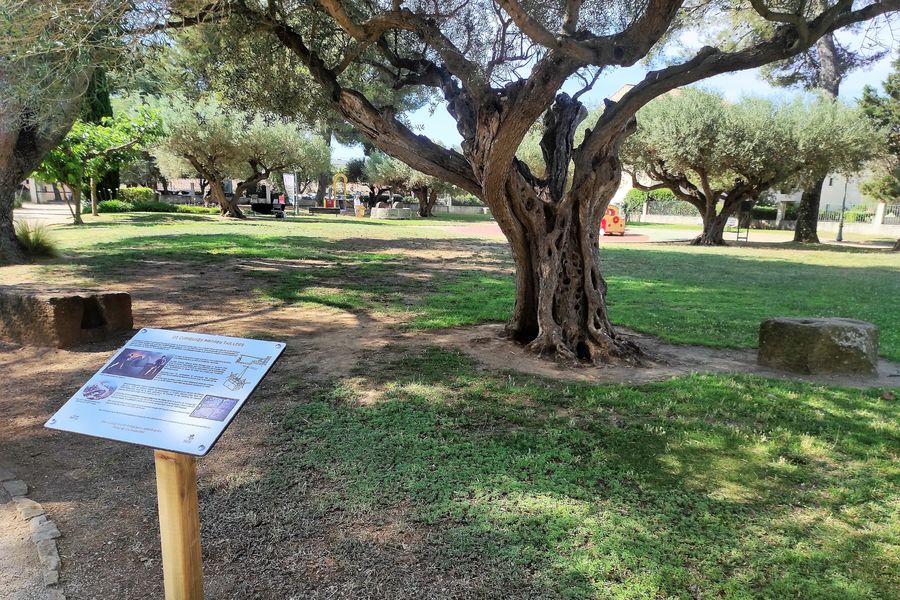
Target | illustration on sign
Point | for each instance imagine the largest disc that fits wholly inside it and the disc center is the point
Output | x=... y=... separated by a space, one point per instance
x=237 y=381
x=171 y=390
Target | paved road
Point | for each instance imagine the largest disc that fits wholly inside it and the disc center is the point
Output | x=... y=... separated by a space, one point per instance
x=46 y=214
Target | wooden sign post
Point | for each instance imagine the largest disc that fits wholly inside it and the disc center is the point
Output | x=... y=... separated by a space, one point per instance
x=179 y=525
x=175 y=392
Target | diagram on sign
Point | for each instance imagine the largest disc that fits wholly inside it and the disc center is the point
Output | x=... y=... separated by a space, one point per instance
x=237 y=380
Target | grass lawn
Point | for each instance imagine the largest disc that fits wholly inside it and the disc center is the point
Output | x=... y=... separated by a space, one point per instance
x=699 y=487
x=512 y=486
x=710 y=296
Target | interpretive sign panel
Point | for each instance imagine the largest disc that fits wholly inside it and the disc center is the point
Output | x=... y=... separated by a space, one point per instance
x=171 y=390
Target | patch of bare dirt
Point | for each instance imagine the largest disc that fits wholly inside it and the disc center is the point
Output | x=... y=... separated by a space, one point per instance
x=490 y=347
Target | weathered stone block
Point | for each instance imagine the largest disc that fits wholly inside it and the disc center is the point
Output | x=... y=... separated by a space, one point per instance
x=15 y=487
x=816 y=345
x=62 y=320
x=390 y=213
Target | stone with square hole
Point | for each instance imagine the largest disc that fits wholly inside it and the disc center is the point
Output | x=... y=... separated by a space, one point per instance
x=63 y=319
x=819 y=345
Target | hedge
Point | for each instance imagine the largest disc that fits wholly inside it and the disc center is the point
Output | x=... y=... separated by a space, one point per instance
x=113 y=206
x=134 y=195
x=118 y=206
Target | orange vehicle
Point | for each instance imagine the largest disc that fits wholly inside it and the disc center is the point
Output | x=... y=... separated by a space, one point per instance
x=613 y=222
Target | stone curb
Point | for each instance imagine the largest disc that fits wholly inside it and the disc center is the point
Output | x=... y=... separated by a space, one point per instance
x=43 y=531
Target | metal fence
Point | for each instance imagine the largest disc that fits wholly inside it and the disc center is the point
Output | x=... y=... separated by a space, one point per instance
x=850 y=216
x=671 y=208
x=892 y=214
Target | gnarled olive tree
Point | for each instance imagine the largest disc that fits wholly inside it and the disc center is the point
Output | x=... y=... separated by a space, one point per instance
x=716 y=155
x=499 y=66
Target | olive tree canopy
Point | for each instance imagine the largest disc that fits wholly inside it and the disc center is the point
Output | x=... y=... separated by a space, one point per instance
x=715 y=154
x=221 y=143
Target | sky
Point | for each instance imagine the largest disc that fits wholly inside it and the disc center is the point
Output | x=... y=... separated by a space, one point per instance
x=439 y=125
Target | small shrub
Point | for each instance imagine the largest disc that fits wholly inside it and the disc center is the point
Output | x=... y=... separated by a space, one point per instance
x=135 y=195
x=113 y=206
x=765 y=213
x=790 y=212
x=467 y=200
x=36 y=240
x=152 y=206
x=196 y=210
x=17 y=203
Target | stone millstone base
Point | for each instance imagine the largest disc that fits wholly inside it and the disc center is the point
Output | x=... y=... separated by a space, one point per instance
x=391 y=213
x=813 y=346
x=62 y=320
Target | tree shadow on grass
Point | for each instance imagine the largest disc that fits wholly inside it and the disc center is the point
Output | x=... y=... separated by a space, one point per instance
x=709 y=298
x=702 y=486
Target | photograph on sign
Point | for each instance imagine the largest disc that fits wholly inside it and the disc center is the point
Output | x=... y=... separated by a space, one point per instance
x=171 y=390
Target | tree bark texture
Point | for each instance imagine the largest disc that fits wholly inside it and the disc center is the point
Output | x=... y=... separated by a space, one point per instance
x=554 y=233
x=11 y=251
x=227 y=208
x=805 y=230
x=94 y=211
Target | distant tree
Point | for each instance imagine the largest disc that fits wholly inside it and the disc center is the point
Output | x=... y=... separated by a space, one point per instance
x=884 y=112
x=42 y=79
x=220 y=144
x=386 y=173
x=716 y=155
x=355 y=170
x=96 y=106
x=90 y=150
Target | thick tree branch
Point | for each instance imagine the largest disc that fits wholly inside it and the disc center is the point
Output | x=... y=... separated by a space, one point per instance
x=380 y=126
x=712 y=61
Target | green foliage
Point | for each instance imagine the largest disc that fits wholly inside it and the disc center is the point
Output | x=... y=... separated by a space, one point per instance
x=635 y=198
x=36 y=240
x=137 y=194
x=114 y=206
x=90 y=150
x=195 y=210
x=152 y=206
x=119 y=206
x=757 y=141
x=467 y=200
x=885 y=188
x=884 y=112
x=701 y=486
x=219 y=143
x=766 y=213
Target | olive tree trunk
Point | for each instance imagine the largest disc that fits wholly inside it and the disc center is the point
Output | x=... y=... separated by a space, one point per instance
x=554 y=233
x=94 y=211
x=806 y=228
x=427 y=198
x=713 y=231
x=11 y=251
x=227 y=208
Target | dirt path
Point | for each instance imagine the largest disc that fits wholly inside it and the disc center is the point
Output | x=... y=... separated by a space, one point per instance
x=488 y=345
x=20 y=572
